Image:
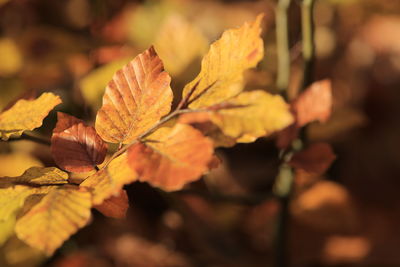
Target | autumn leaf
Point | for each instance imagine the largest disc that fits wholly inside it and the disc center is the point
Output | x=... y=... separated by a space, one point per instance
x=109 y=180
x=314 y=104
x=136 y=98
x=178 y=43
x=316 y=158
x=6 y=229
x=174 y=157
x=35 y=181
x=76 y=147
x=11 y=57
x=26 y=115
x=17 y=163
x=257 y=113
x=221 y=75
x=115 y=206
x=55 y=218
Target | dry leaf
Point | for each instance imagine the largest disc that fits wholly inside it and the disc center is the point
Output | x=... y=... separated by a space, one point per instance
x=109 y=180
x=76 y=147
x=257 y=114
x=55 y=218
x=314 y=104
x=221 y=75
x=26 y=115
x=317 y=158
x=116 y=206
x=174 y=157
x=136 y=98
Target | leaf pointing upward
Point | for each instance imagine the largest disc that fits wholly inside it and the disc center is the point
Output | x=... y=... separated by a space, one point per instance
x=136 y=98
x=221 y=75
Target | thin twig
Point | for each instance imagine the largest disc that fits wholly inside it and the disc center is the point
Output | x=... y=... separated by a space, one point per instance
x=36 y=139
x=307 y=27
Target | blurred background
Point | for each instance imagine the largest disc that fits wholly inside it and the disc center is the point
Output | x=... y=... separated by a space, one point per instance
x=347 y=217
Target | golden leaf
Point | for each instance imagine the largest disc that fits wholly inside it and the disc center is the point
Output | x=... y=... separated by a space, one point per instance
x=221 y=75
x=11 y=58
x=26 y=115
x=257 y=114
x=109 y=180
x=136 y=98
x=38 y=176
x=76 y=147
x=179 y=43
x=6 y=229
x=55 y=218
x=174 y=157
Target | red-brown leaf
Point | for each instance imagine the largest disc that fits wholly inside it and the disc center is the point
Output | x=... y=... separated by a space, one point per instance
x=76 y=147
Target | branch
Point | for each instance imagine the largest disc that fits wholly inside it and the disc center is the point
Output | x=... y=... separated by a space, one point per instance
x=36 y=139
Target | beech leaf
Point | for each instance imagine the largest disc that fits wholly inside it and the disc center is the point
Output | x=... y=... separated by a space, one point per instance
x=115 y=206
x=315 y=103
x=76 y=147
x=136 y=98
x=26 y=115
x=109 y=180
x=55 y=218
x=174 y=157
x=221 y=75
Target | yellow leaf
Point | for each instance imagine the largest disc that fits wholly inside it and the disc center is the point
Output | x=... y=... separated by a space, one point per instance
x=257 y=114
x=35 y=181
x=16 y=163
x=11 y=58
x=136 y=98
x=221 y=75
x=93 y=85
x=6 y=229
x=55 y=218
x=179 y=43
x=26 y=115
x=174 y=157
x=109 y=180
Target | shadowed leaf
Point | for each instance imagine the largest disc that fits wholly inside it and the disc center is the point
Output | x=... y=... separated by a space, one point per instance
x=76 y=147
x=116 y=206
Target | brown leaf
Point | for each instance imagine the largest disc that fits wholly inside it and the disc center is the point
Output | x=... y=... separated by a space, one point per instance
x=317 y=158
x=314 y=104
x=175 y=156
x=136 y=98
x=76 y=147
x=115 y=206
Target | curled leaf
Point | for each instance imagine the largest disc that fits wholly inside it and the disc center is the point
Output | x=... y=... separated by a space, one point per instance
x=174 y=157
x=221 y=75
x=109 y=180
x=26 y=115
x=76 y=147
x=55 y=218
x=136 y=98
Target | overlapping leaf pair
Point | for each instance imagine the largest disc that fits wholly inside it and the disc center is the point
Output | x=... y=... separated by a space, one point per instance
x=135 y=113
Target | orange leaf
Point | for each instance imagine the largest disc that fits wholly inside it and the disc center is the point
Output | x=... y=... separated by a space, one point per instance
x=136 y=98
x=174 y=157
x=314 y=104
x=115 y=206
x=76 y=147
x=315 y=159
